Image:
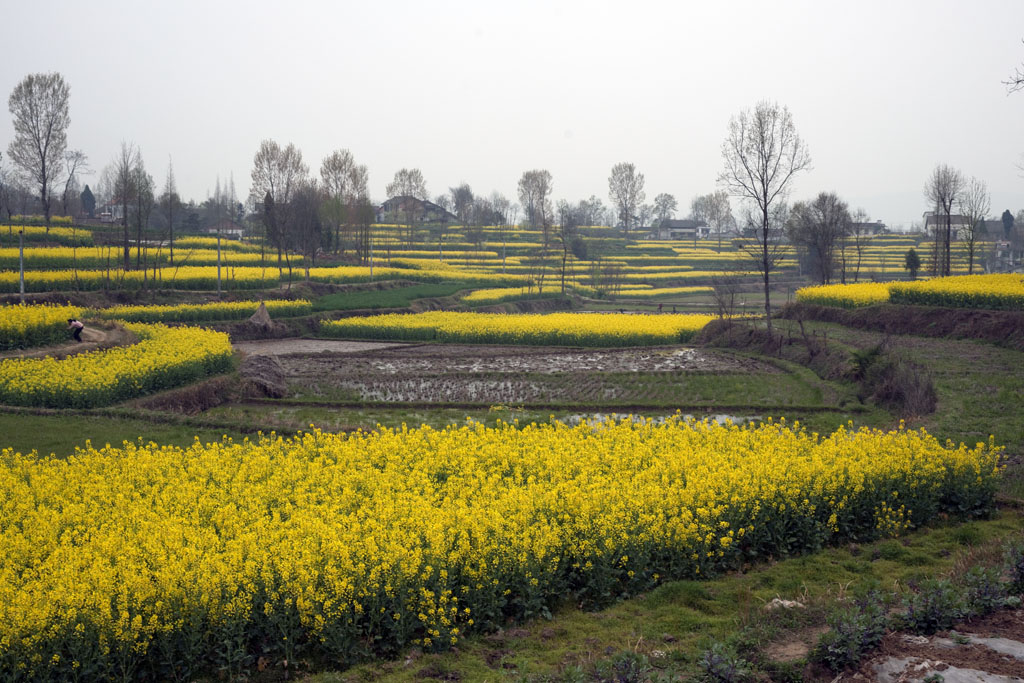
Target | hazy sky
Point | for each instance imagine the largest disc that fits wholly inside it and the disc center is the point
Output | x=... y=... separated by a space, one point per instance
x=479 y=91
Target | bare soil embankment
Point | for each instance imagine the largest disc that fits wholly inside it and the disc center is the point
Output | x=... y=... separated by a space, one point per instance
x=1005 y=328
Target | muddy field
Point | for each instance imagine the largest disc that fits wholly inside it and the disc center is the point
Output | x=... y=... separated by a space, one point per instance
x=321 y=370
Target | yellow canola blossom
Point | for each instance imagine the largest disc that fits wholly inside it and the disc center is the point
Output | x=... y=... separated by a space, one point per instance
x=26 y=326
x=9 y=234
x=164 y=357
x=101 y=257
x=500 y=294
x=1003 y=291
x=123 y=560
x=845 y=296
x=550 y=329
x=176 y=277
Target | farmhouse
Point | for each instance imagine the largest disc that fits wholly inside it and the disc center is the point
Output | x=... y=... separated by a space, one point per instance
x=406 y=209
x=227 y=228
x=681 y=230
x=934 y=220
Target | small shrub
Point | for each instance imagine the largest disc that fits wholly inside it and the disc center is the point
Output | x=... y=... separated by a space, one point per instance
x=854 y=631
x=1015 y=567
x=721 y=664
x=626 y=667
x=984 y=592
x=936 y=606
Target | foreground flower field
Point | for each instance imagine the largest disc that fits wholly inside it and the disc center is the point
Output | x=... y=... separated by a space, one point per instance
x=164 y=358
x=159 y=563
x=551 y=329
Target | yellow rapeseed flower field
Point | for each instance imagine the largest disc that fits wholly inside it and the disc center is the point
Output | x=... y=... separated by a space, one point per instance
x=170 y=562
x=999 y=291
x=845 y=296
x=551 y=329
x=26 y=326
x=164 y=357
x=497 y=295
x=175 y=277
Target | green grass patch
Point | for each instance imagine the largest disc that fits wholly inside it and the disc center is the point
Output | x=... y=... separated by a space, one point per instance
x=673 y=624
x=61 y=434
x=386 y=298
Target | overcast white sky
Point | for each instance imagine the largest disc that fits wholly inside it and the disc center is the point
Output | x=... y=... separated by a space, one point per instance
x=479 y=91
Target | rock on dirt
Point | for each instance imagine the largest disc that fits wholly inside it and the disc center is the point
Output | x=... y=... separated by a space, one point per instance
x=263 y=377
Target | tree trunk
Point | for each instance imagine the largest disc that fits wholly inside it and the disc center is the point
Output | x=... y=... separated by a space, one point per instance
x=765 y=265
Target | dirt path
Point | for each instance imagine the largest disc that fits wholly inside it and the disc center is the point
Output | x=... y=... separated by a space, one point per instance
x=93 y=338
x=287 y=347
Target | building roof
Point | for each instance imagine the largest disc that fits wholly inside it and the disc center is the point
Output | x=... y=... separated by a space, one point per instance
x=684 y=224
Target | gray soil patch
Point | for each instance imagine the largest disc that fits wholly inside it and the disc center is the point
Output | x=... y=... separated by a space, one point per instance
x=285 y=347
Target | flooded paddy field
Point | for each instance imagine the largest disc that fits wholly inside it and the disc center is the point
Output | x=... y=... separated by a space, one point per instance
x=348 y=385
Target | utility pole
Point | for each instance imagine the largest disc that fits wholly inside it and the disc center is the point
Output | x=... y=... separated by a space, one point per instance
x=21 y=265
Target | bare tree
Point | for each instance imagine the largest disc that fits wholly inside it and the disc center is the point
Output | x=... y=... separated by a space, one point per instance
x=5 y=190
x=1016 y=81
x=665 y=206
x=75 y=162
x=626 y=192
x=142 y=206
x=307 y=230
x=503 y=211
x=410 y=188
x=535 y=197
x=277 y=172
x=817 y=227
x=121 y=180
x=859 y=235
x=593 y=212
x=462 y=203
x=943 y=190
x=335 y=176
x=170 y=204
x=762 y=154
x=974 y=204
x=343 y=181
x=568 y=236
x=715 y=211
x=40 y=107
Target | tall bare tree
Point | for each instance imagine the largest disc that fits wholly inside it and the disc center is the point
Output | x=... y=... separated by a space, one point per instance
x=277 y=172
x=535 y=197
x=170 y=205
x=626 y=192
x=142 y=206
x=818 y=226
x=342 y=182
x=943 y=191
x=121 y=181
x=41 y=110
x=715 y=210
x=75 y=163
x=762 y=154
x=411 y=189
x=974 y=204
x=665 y=206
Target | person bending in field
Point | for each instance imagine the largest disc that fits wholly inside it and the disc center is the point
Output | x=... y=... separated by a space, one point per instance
x=76 y=327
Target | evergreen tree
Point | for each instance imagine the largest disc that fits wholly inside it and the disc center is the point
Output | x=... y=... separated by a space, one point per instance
x=88 y=202
x=912 y=263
